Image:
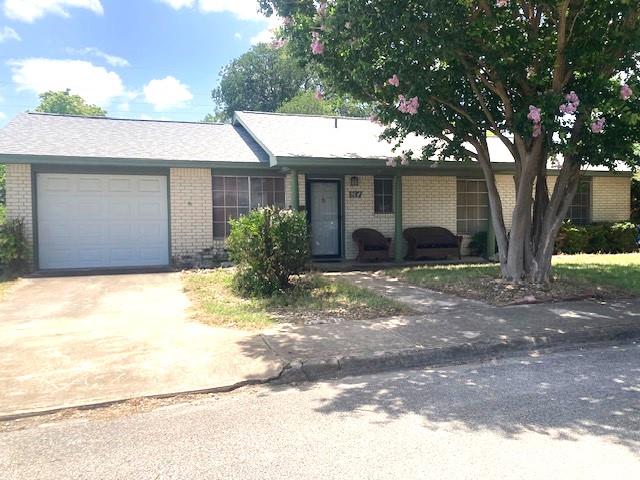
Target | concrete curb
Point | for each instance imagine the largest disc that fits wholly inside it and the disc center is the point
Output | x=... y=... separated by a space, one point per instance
x=471 y=352
x=352 y=365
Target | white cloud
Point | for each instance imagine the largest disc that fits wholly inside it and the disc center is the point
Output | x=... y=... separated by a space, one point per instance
x=178 y=4
x=266 y=35
x=8 y=33
x=112 y=60
x=243 y=9
x=237 y=36
x=31 y=10
x=95 y=84
x=3 y=115
x=167 y=93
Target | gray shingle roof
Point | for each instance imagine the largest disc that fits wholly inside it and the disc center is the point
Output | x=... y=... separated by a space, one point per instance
x=61 y=135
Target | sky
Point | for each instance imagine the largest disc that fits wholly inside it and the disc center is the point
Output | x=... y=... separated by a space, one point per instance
x=140 y=59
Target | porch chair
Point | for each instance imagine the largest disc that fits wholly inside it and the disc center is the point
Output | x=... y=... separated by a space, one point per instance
x=372 y=245
x=432 y=242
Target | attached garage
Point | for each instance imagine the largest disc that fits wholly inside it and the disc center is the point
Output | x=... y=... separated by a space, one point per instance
x=101 y=220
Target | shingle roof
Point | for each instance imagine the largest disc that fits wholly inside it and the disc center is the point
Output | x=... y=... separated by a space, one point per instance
x=317 y=136
x=63 y=135
x=314 y=136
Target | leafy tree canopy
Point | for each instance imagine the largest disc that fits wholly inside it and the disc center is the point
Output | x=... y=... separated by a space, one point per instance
x=63 y=102
x=312 y=103
x=261 y=79
x=546 y=77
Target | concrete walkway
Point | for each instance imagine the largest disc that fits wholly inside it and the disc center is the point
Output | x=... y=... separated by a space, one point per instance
x=446 y=329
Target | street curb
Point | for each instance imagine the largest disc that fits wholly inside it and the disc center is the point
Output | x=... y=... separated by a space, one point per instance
x=299 y=371
x=471 y=352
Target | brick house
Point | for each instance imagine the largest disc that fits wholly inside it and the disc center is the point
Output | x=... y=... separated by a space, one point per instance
x=101 y=192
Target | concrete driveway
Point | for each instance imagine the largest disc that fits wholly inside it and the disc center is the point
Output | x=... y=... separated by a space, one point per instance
x=70 y=341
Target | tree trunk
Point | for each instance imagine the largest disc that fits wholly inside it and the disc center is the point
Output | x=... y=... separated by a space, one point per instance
x=526 y=251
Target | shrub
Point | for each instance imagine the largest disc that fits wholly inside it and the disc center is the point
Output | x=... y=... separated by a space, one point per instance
x=478 y=244
x=572 y=239
x=3 y=214
x=268 y=245
x=623 y=237
x=14 y=248
x=619 y=237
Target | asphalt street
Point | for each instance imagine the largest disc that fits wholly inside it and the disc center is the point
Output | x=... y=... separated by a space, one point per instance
x=569 y=415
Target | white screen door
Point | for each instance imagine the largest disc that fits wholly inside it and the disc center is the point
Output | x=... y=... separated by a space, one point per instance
x=325 y=218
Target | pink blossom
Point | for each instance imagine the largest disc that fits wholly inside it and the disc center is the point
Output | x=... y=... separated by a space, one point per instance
x=375 y=119
x=409 y=106
x=537 y=130
x=287 y=21
x=404 y=160
x=394 y=80
x=569 y=108
x=626 y=92
x=391 y=162
x=598 y=125
x=318 y=95
x=535 y=114
x=502 y=3
x=317 y=47
x=572 y=97
x=322 y=8
x=278 y=43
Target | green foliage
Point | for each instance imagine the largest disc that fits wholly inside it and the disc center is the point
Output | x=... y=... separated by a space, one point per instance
x=572 y=239
x=261 y=79
x=306 y=102
x=268 y=245
x=14 y=247
x=63 y=102
x=478 y=244
x=3 y=214
x=598 y=238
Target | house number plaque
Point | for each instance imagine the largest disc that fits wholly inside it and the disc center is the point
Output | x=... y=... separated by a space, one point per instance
x=355 y=194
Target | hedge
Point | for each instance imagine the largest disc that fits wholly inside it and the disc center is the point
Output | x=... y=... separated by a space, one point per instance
x=619 y=237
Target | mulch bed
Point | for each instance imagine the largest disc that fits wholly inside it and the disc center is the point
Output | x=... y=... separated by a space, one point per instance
x=501 y=293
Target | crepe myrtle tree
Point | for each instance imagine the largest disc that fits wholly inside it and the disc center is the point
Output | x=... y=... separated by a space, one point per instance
x=552 y=80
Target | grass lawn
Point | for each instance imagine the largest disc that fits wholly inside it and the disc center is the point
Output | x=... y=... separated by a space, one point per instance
x=314 y=298
x=576 y=276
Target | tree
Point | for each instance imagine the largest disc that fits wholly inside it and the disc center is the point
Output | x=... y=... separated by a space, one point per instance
x=63 y=102
x=547 y=77
x=261 y=79
x=311 y=103
x=213 y=118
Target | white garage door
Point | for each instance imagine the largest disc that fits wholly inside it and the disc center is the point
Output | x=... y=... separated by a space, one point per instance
x=89 y=221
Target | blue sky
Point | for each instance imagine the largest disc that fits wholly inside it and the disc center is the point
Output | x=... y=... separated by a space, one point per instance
x=135 y=58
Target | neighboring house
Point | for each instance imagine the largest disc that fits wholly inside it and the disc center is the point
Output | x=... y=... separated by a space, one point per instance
x=101 y=192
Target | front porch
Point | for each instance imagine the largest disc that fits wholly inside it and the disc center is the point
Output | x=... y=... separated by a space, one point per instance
x=341 y=201
x=355 y=266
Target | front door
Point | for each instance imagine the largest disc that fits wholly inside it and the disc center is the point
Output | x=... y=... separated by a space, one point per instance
x=324 y=200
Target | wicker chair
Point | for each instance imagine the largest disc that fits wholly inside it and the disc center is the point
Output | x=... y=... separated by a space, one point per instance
x=372 y=245
x=431 y=242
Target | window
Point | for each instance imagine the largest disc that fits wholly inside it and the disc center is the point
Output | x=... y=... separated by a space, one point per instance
x=473 y=206
x=383 y=195
x=235 y=196
x=580 y=209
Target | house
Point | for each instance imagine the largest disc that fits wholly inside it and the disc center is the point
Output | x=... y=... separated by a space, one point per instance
x=104 y=192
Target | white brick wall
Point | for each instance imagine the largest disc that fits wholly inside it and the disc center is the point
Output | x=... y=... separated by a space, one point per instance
x=191 y=210
x=610 y=199
x=429 y=201
x=507 y=190
x=19 y=195
x=359 y=213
